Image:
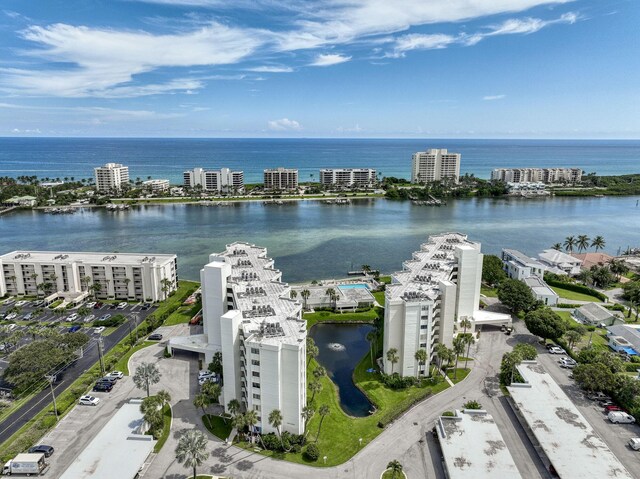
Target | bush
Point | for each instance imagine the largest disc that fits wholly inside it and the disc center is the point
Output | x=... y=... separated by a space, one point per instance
x=312 y=452
x=472 y=405
x=566 y=306
x=395 y=381
x=448 y=414
x=576 y=288
x=271 y=442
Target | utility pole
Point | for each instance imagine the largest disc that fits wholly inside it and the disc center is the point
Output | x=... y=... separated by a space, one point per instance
x=135 y=322
x=51 y=378
x=100 y=355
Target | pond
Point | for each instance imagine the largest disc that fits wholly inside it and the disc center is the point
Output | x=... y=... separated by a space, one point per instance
x=341 y=347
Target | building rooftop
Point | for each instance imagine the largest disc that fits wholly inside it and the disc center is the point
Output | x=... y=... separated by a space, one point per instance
x=421 y=275
x=87 y=258
x=522 y=258
x=566 y=437
x=558 y=257
x=595 y=313
x=473 y=447
x=117 y=451
x=269 y=314
x=592 y=259
x=628 y=332
x=539 y=287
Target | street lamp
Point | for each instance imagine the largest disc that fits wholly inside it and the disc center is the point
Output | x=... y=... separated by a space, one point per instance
x=360 y=441
x=325 y=459
x=51 y=379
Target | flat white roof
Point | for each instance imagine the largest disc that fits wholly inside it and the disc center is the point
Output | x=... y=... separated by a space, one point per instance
x=473 y=447
x=489 y=317
x=92 y=258
x=566 y=437
x=117 y=451
x=539 y=287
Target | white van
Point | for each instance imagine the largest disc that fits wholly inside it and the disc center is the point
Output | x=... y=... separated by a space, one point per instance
x=619 y=417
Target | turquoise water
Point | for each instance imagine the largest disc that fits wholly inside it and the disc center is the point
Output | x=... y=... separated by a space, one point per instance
x=310 y=240
x=353 y=286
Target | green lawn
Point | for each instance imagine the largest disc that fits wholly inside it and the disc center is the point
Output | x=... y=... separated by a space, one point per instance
x=385 y=279
x=183 y=314
x=379 y=295
x=122 y=364
x=166 y=428
x=217 y=426
x=489 y=292
x=390 y=475
x=598 y=339
x=566 y=294
x=328 y=316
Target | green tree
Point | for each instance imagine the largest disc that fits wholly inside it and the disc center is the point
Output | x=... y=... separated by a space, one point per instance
x=618 y=267
x=516 y=295
x=324 y=411
x=372 y=337
x=527 y=352
x=582 y=243
x=421 y=357
x=212 y=391
x=307 y=413
x=441 y=352
x=594 y=377
x=572 y=336
x=545 y=323
x=492 y=270
x=215 y=366
x=557 y=246
x=396 y=469
x=458 y=348
x=201 y=401
x=333 y=296
x=312 y=349
x=569 y=243
x=319 y=372
x=146 y=374
x=305 y=293
x=315 y=387
x=192 y=449
x=250 y=420
x=275 y=419
x=598 y=243
x=392 y=357
x=508 y=368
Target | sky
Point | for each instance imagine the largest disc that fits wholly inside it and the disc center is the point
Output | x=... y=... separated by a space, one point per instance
x=323 y=68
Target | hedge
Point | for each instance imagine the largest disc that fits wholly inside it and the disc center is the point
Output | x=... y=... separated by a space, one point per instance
x=577 y=288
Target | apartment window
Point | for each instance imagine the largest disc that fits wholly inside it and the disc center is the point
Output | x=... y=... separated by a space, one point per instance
x=256 y=396
x=255 y=362
x=255 y=351
x=256 y=385
x=256 y=407
x=255 y=374
x=423 y=345
x=424 y=326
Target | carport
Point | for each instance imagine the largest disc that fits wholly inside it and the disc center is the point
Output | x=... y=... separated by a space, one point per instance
x=489 y=318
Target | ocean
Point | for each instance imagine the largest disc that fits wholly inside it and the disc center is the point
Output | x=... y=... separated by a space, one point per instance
x=168 y=158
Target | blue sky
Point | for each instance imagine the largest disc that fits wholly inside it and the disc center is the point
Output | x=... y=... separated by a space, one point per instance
x=325 y=68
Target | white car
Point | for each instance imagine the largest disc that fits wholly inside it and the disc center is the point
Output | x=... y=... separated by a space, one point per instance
x=90 y=305
x=634 y=443
x=99 y=329
x=89 y=318
x=115 y=374
x=557 y=350
x=89 y=400
x=11 y=316
x=620 y=417
x=207 y=379
x=21 y=303
x=204 y=372
x=122 y=305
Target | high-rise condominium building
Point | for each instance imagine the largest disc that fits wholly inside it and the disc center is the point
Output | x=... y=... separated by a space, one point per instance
x=280 y=179
x=111 y=177
x=435 y=165
x=249 y=317
x=119 y=275
x=347 y=176
x=214 y=180
x=438 y=286
x=533 y=175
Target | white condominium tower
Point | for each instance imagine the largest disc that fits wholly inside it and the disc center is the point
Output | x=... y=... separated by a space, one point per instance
x=111 y=177
x=534 y=175
x=249 y=317
x=434 y=165
x=124 y=276
x=347 y=176
x=280 y=179
x=438 y=286
x=214 y=180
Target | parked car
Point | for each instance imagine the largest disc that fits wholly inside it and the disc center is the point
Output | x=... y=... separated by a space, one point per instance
x=20 y=303
x=567 y=363
x=155 y=337
x=42 y=448
x=104 y=317
x=11 y=316
x=89 y=318
x=73 y=317
x=612 y=407
x=74 y=329
x=103 y=387
x=99 y=329
x=146 y=306
x=122 y=305
x=599 y=396
x=27 y=317
x=98 y=305
x=207 y=379
x=90 y=305
x=113 y=306
x=634 y=443
x=89 y=400
x=619 y=417
x=37 y=303
x=107 y=379
x=115 y=374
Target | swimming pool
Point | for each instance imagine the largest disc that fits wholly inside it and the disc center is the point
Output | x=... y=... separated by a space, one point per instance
x=353 y=286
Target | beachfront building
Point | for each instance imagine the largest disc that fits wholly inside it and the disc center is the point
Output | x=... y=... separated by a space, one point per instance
x=222 y=180
x=280 y=179
x=438 y=286
x=249 y=317
x=537 y=175
x=347 y=177
x=518 y=265
x=156 y=186
x=435 y=165
x=558 y=262
x=70 y=275
x=346 y=297
x=111 y=177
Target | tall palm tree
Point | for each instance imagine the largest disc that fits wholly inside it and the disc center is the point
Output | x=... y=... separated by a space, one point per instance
x=392 y=357
x=146 y=374
x=312 y=349
x=192 y=449
x=275 y=419
x=233 y=407
x=323 y=411
x=396 y=469
x=250 y=420
x=294 y=294
x=458 y=349
x=201 y=401
x=305 y=293
x=366 y=269
x=618 y=267
x=163 y=397
x=582 y=243
x=557 y=246
x=315 y=387
x=333 y=296
x=441 y=351
x=166 y=286
x=421 y=356
x=598 y=243
x=307 y=413
x=371 y=337
x=569 y=243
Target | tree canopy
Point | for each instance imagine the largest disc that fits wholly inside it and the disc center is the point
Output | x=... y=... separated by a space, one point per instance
x=492 y=272
x=545 y=323
x=516 y=295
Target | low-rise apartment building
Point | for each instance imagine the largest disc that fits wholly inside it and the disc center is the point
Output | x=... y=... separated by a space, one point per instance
x=558 y=262
x=126 y=276
x=222 y=180
x=281 y=179
x=111 y=177
x=156 y=186
x=438 y=286
x=347 y=176
x=535 y=175
x=518 y=265
x=435 y=165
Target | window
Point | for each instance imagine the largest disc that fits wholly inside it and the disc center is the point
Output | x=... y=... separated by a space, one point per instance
x=255 y=374
x=256 y=385
x=256 y=407
x=424 y=326
x=255 y=351
x=256 y=396
x=255 y=362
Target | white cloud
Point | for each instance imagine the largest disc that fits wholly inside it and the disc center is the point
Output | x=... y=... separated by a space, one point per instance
x=18 y=131
x=493 y=97
x=416 y=41
x=271 y=69
x=284 y=124
x=328 y=59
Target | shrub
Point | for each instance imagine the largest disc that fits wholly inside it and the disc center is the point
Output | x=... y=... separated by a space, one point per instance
x=448 y=414
x=395 y=381
x=312 y=452
x=472 y=405
x=271 y=442
x=167 y=354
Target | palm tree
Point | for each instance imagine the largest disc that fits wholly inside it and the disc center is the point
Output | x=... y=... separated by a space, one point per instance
x=396 y=469
x=192 y=449
x=305 y=293
x=250 y=420
x=233 y=407
x=312 y=349
x=323 y=411
x=307 y=413
x=392 y=357
x=572 y=337
x=440 y=351
x=458 y=348
x=585 y=276
x=163 y=397
x=319 y=372
x=421 y=356
x=371 y=337
x=333 y=296
x=294 y=294
x=166 y=286
x=316 y=387
x=146 y=374
x=569 y=243
x=275 y=419
x=618 y=267
x=201 y=401
x=557 y=246
x=366 y=269
x=582 y=243
x=598 y=243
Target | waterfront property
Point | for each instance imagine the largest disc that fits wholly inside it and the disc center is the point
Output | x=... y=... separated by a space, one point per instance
x=519 y=266
x=156 y=186
x=541 y=290
x=111 y=177
x=222 y=180
x=347 y=297
x=594 y=314
x=560 y=263
x=435 y=165
x=624 y=338
x=473 y=448
x=73 y=275
x=438 y=286
x=563 y=438
x=249 y=317
x=281 y=179
x=535 y=175
x=347 y=177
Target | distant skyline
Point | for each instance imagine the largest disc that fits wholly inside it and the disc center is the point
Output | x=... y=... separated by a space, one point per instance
x=326 y=69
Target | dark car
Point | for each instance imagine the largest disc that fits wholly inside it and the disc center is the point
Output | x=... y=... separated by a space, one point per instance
x=113 y=306
x=108 y=379
x=549 y=346
x=155 y=337
x=43 y=449
x=103 y=386
x=74 y=329
x=98 y=305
